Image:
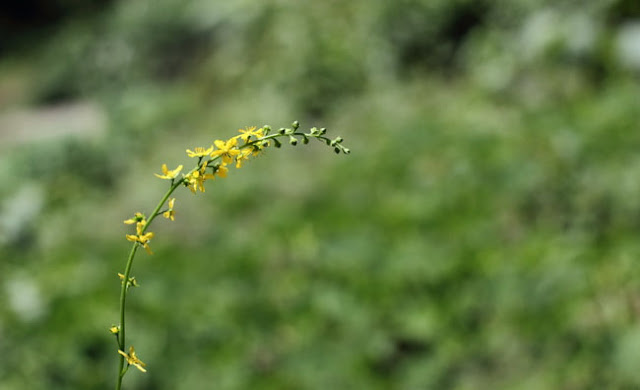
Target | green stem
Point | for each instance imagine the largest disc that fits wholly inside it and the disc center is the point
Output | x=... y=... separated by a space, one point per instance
x=123 y=298
x=127 y=272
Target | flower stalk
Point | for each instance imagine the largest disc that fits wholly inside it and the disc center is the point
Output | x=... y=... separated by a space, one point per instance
x=212 y=162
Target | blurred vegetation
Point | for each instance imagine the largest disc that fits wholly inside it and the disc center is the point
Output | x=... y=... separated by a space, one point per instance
x=484 y=232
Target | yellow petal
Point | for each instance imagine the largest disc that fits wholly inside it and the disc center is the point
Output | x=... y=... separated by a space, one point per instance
x=139 y=366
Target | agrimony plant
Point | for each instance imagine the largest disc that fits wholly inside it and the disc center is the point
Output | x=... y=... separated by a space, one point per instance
x=211 y=162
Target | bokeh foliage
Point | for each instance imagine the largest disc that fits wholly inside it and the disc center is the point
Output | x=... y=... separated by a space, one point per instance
x=482 y=234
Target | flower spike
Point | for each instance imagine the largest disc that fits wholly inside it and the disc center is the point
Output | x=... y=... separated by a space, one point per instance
x=212 y=161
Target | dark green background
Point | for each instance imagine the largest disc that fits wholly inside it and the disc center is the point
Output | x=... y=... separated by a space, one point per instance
x=484 y=233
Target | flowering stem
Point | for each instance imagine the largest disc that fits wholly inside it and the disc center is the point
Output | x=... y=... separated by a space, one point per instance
x=125 y=283
x=228 y=152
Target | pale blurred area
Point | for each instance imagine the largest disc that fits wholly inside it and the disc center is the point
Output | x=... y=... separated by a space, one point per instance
x=484 y=233
x=76 y=119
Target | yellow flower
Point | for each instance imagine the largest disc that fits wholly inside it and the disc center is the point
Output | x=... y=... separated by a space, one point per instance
x=199 y=152
x=137 y=217
x=140 y=222
x=132 y=359
x=191 y=181
x=250 y=132
x=244 y=155
x=114 y=329
x=195 y=180
x=227 y=150
x=167 y=174
x=169 y=214
x=139 y=226
x=143 y=239
x=220 y=170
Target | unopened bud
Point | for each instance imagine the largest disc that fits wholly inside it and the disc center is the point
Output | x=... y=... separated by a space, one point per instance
x=293 y=141
x=295 y=125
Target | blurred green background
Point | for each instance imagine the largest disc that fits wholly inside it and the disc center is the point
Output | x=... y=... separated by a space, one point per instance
x=484 y=233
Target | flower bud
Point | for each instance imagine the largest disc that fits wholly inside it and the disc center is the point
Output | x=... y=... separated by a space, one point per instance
x=293 y=141
x=276 y=143
x=346 y=151
x=295 y=125
x=323 y=131
x=282 y=131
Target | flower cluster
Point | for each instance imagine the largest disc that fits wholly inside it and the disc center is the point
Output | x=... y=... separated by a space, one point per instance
x=227 y=152
x=140 y=237
x=213 y=161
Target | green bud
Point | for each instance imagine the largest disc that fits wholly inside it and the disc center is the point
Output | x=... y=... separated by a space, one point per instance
x=305 y=139
x=337 y=150
x=333 y=143
x=338 y=139
x=282 y=131
x=346 y=151
x=323 y=131
x=314 y=131
x=266 y=129
x=295 y=125
x=293 y=141
x=276 y=143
